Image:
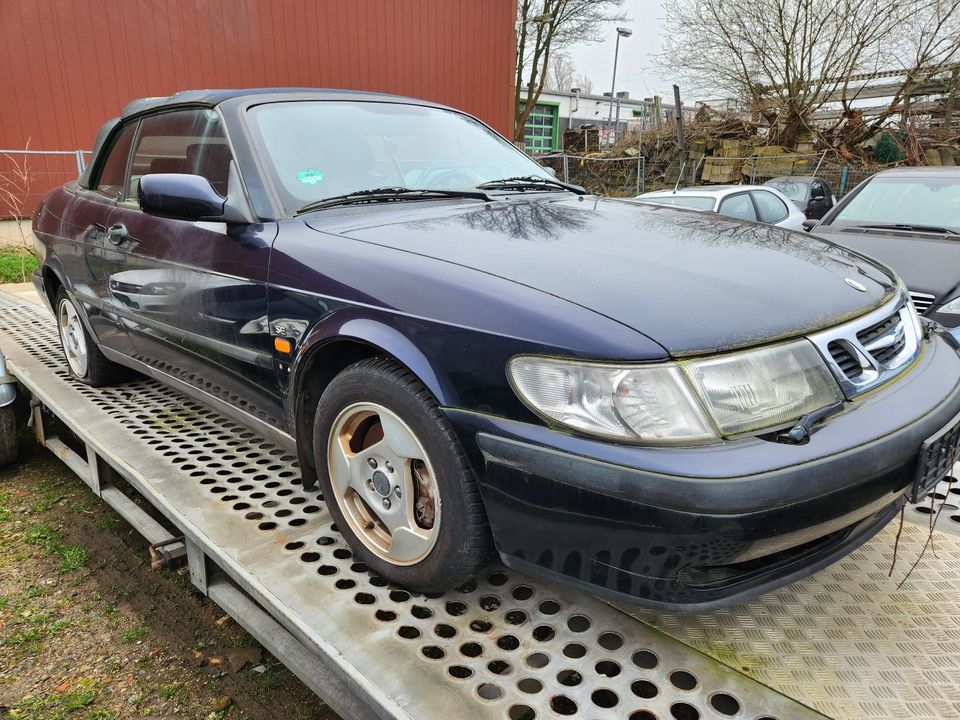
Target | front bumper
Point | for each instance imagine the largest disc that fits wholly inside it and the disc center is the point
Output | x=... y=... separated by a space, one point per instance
x=693 y=529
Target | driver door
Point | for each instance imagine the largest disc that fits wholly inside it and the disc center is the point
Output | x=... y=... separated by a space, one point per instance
x=197 y=289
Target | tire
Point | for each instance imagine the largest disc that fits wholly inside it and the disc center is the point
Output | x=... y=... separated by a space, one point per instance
x=8 y=435
x=373 y=423
x=85 y=361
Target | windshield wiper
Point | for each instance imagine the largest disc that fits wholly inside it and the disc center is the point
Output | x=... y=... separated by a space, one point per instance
x=530 y=182
x=910 y=227
x=390 y=194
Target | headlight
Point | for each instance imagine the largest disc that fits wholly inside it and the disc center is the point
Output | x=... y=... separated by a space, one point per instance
x=765 y=387
x=688 y=402
x=950 y=308
x=651 y=404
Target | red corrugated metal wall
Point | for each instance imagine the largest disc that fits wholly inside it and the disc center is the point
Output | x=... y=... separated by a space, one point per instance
x=65 y=67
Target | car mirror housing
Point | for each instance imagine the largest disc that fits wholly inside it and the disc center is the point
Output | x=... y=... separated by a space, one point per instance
x=180 y=196
x=809 y=224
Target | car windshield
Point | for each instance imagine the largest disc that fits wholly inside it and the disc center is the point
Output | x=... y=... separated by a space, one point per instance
x=892 y=200
x=796 y=190
x=316 y=150
x=697 y=202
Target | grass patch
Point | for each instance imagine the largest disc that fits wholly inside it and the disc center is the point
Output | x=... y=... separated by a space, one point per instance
x=16 y=264
x=50 y=541
x=109 y=522
x=134 y=635
x=62 y=705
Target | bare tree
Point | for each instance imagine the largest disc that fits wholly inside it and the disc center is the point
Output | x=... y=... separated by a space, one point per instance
x=788 y=58
x=584 y=83
x=543 y=28
x=562 y=74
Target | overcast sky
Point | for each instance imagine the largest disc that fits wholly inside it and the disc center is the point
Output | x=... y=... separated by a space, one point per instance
x=636 y=70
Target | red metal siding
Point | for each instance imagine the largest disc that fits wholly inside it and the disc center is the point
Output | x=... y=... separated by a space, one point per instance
x=65 y=67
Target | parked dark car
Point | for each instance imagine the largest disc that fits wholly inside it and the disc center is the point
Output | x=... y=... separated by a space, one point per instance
x=811 y=194
x=661 y=405
x=909 y=219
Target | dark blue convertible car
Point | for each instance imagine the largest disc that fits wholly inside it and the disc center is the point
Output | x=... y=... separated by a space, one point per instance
x=469 y=355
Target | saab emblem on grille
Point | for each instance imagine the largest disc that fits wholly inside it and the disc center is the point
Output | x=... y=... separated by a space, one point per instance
x=855 y=285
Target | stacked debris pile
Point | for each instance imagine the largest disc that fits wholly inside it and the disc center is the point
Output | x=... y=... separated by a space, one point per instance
x=722 y=149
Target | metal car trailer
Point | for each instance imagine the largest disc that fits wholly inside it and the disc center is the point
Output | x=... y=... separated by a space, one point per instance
x=848 y=642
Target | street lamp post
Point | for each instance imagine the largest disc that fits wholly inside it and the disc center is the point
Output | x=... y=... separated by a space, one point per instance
x=621 y=32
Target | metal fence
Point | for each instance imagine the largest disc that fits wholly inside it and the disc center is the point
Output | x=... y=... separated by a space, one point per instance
x=26 y=176
x=629 y=176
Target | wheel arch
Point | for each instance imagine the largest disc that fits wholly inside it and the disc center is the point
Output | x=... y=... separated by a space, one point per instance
x=52 y=282
x=327 y=352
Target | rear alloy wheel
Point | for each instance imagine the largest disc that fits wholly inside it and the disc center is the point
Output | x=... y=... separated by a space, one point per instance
x=84 y=359
x=396 y=480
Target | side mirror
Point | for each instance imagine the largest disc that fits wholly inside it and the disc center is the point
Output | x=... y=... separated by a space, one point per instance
x=180 y=197
x=809 y=224
x=550 y=170
x=191 y=197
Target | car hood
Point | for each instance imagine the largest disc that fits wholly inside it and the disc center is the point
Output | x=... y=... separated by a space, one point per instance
x=926 y=263
x=691 y=281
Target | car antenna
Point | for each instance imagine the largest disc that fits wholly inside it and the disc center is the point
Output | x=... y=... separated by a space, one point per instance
x=679 y=177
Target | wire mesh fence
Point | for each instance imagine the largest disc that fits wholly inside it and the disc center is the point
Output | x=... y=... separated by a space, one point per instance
x=614 y=177
x=26 y=176
x=629 y=176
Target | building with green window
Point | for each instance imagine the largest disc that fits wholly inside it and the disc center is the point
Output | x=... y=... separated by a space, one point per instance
x=558 y=111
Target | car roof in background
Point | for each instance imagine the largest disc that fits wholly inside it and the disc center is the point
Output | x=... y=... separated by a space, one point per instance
x=212 y=98
x=704 y=190
x=919 y=172
x=797 y=178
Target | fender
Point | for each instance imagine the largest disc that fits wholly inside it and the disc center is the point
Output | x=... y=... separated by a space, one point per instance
x=377 y=329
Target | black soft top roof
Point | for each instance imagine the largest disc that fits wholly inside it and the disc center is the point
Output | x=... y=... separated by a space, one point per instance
x=212 y=98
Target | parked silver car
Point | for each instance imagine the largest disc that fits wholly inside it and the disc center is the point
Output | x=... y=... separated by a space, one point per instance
x=745 y=202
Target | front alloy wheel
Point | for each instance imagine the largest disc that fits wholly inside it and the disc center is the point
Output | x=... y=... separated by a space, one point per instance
x=384 y=483
x=396 y=480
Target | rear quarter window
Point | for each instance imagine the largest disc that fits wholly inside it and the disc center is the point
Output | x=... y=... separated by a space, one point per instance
x=772 y=209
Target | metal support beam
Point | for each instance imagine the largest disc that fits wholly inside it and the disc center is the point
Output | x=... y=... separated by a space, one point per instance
x=197 y=562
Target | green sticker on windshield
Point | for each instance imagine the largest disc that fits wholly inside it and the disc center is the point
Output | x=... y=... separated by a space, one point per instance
x=310 y=176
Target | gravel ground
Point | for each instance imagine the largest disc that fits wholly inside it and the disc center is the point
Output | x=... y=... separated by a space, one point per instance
x=89 y=632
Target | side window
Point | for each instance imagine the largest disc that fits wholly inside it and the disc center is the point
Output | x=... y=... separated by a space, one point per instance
x=738 y=206
x=114 y=168
x=185 y=141
x=772 y=209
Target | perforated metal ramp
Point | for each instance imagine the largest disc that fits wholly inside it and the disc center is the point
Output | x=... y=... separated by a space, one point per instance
x=508 y=646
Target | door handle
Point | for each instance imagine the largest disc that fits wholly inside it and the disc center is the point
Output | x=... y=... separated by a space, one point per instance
x=117 y=233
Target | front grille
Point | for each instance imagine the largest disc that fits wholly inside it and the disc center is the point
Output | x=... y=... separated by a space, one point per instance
x=922 y=301
x=846 y=361
x=879 y=330
x=884 y=329
x=872 y=349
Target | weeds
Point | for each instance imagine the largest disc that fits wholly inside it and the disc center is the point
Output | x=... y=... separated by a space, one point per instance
x=71 y=557
x=109 y=522
x=59 y=705
x=134 y=635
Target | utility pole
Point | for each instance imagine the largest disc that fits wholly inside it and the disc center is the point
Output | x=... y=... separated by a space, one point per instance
x=679 y=117
x=621 y=32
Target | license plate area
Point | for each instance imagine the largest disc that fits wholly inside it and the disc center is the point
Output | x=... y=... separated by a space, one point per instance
x=937 y=456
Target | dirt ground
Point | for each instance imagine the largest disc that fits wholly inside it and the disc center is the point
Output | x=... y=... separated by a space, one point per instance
x=89 y=632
